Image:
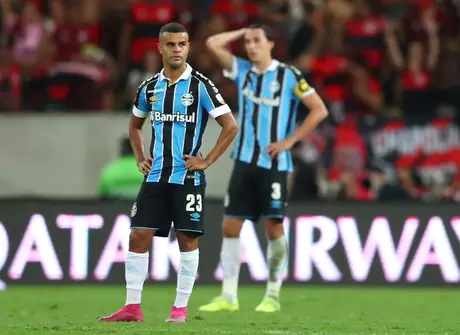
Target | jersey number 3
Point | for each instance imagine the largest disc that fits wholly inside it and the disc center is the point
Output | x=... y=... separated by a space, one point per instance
x=194 y=203
x=276 y=191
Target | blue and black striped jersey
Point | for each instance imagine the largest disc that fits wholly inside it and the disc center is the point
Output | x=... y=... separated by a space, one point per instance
x=179 y=114
x=267 y=110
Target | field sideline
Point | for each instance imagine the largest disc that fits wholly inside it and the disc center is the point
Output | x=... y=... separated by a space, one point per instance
x=305 y=310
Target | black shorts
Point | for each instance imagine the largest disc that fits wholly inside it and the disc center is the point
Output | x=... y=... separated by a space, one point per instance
x=254 y=192
x=160 y=204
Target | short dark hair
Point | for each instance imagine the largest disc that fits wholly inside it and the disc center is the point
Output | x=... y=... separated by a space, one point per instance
x=267 y=30
x=173 y=27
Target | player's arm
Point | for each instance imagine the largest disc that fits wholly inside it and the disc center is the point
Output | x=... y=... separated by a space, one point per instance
x=215 y=105
x=226 y=137
x=140 y=112
x=318 y=112
x=217 y=44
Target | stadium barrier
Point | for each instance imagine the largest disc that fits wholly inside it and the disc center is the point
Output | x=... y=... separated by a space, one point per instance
x=51 y=242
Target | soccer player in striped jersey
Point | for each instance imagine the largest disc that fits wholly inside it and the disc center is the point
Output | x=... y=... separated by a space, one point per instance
x=269 y=93
x=178 y=101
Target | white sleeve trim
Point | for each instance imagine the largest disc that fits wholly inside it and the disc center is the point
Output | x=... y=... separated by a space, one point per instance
x=137 y=112
x=234 y=72
x=221 y=110
x=309 y=92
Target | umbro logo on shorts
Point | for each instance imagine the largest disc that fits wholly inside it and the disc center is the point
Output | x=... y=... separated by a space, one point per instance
x=195 y=216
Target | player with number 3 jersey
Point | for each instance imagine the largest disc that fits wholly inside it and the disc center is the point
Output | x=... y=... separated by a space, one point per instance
x=268 y=93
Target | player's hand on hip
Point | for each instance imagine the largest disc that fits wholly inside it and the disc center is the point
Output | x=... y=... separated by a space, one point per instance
x=193 y=163
x=274 y=149
x=145 y=166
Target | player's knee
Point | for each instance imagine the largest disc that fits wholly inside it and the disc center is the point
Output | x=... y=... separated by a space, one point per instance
x=232 y=227
x=188 y=241
x=274 y=228
x=139 y=240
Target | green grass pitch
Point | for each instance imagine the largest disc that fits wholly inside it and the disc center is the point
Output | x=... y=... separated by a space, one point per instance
x=305 y=310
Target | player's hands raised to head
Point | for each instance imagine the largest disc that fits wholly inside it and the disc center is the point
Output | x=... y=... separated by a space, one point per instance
x=193 y=163
x=276 y=148
x=145 y=166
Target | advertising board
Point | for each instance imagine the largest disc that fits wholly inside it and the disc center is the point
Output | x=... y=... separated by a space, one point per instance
x=51 y=242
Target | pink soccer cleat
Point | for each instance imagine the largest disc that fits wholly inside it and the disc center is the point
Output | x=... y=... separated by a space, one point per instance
x=178 y=315
x=129 y=313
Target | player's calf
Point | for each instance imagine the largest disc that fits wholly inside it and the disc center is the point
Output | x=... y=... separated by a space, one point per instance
x=276 y=258
x=230 y=257
x=136 y=267
x=188 y=267
x=231 y=260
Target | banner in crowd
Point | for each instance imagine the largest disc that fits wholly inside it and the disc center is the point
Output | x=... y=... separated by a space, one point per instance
x=50 y=242
x=401 y=138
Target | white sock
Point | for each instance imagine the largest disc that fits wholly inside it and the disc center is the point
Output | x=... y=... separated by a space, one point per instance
x=276 y=257
x=136 y=267
x=231 y=261
x=188 y=267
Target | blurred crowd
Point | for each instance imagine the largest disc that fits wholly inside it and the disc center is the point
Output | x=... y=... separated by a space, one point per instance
x=389 y=71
